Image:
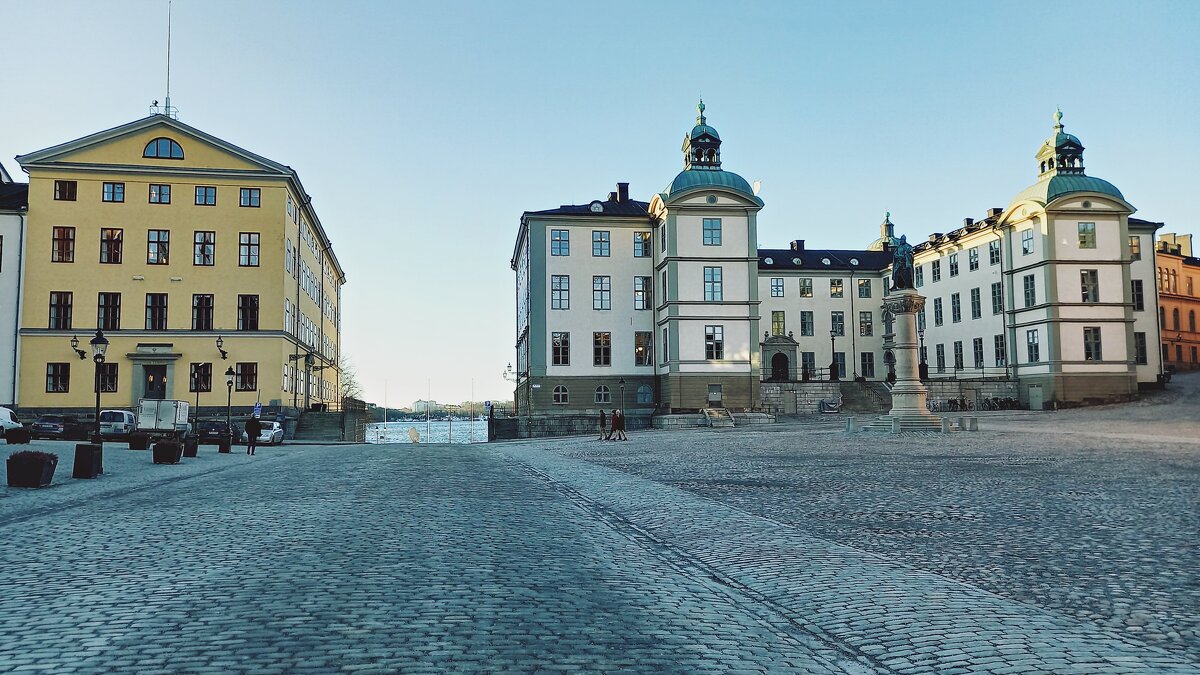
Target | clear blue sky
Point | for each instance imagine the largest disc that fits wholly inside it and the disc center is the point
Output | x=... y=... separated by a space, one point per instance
x=423 y=130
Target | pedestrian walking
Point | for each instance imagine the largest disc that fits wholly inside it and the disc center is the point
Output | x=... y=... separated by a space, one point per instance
x=603 y=420
x=620 y=425
x=612 y=425
x=253 y=428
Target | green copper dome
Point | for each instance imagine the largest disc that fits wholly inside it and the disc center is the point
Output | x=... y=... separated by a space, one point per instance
x=1050 y=188
x=698 y=179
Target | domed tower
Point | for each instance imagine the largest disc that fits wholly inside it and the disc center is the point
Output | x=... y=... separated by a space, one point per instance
x=702 y=147
x=887 y=235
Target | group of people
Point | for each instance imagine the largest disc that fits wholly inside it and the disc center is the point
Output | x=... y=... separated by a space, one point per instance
x=612 y=425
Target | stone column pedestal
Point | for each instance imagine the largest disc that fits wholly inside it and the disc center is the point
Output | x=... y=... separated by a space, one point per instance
x=908 y=394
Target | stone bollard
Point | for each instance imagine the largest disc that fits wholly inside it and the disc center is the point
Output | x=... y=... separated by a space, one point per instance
x=945 y=425
x=895 y=425
x=972 y=424
x=962 y=423
x=851 y=426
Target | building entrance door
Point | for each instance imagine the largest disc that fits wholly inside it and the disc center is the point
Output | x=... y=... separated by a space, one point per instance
x=156 y=382
x=1035 y=397
x=779 y=367
x=714 y=396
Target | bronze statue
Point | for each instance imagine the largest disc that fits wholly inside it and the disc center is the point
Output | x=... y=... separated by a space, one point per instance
x=902 y=265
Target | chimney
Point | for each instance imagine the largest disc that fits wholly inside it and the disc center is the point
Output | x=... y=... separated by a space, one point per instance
x=612 y=196
x=622 y=192
x=967 y=222
x=995 y=211
x=798 y=245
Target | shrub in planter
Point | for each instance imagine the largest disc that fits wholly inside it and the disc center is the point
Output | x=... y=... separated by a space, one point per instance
x=17 y=436
x=139 y=441
x=168 y=452
x=29 y=468
x=89 y=460
x=191 y=446
x=223 y=446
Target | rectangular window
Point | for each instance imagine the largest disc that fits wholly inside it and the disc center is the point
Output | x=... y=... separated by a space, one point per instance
x=641 y=245
x=958 y=355
x=663 y=285
x=251 y=197
x=935 y=269
x=938 y=317
x=976 y=303
x=714 y=343
x=200 y=377
x=993 y=253
x=1089 y=285
x=712 y=284
x=206 y=195
x=778 y=323
x=1139 y=349
x=1087 y=235
x=63 y=245
x=64 y=191
x=806 y=323
x=1031 y=345
x=643 y=348
x=973 y=259
x=835 y=288
x=60 y=310
x=866 y=324
x=864 y=288
x=202 y=312
x=247 y=309
x=110 y=245
x=108 y=311
x=601 y=349
x=997 y=298
x=921 y=319
x=953 y=264
x=808 y=365
x=113 y=192
x=245 y=376
x=1030 y=291
x=977 y=351
x=58 y=377
x=806 y=288
x=248 y=248
x=1138 y=295
x=776 y=287
x=1091 y=344
x=642 y=294
x=1001 y=352
x=712 y=231
x=160 y=193
x=867 y=364
x=955 y=308
x=108 y=378
x=940 y=356
x=666 y=346
x=560 y=291
x=560 y=242
x=601 y=292
x=662 y=237
x=918 y=276
x=158 y=244
x=839 y=364
x=837 y=323
x=205 y=248
x=1026 y=242
x=156 y=311
x=1135 y=247
x=560 y=349
x=601 y=245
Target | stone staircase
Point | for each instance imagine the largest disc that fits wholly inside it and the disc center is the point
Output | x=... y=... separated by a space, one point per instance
x=319 y=426
x=718 y=417
x=870 y=398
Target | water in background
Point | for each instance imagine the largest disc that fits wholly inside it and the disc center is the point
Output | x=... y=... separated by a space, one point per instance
x=432 y=432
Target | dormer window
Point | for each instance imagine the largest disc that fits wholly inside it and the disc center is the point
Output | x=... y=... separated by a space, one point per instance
x=163 y=148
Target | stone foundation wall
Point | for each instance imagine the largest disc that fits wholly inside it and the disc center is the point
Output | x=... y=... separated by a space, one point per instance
x=545 y=426
x=789 y=398
x=972 y=390
x=681 y=421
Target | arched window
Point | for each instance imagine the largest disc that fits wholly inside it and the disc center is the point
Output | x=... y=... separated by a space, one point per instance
x=1192 y=320
x=602 y=395
x=645 y=394
x=1162 y=318
x=1175 y=317
x=561 y=395
x=163 y=148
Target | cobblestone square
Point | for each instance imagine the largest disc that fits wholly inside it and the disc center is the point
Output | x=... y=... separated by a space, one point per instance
x=1050 y=542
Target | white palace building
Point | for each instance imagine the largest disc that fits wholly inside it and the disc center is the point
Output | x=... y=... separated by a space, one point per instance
x=671 y=306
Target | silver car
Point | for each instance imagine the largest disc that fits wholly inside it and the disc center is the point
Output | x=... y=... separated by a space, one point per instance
x=271 y=434
x=116 y=423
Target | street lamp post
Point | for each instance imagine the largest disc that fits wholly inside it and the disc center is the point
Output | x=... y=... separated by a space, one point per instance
x=833 y=371
x=99 y=348
x=622 y=383
x=923 y=368
x=89 y=457
x=229 y=402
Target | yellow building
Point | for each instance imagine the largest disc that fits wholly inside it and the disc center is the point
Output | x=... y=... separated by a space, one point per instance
x=169 y=239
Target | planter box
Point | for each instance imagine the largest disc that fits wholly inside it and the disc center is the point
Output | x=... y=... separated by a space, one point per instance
x=191 y=447
x=223 y=447
x=139 y=441
x=17 y=436
x=168 y=452
x=30 y=473
x=89 y=461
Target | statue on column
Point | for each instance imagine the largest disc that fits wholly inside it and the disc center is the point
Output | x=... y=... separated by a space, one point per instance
x=902 y=265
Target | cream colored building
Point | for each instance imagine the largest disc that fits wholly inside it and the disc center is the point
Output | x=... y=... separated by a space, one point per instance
x=168 y=239
x=14 y=203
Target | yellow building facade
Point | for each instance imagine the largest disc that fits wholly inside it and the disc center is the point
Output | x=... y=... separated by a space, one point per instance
x=168 y=239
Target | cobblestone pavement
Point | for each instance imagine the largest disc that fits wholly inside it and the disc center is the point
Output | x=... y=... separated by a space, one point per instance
x=793 y=548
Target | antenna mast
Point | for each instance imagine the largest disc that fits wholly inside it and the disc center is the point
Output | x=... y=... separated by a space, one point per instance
x=166 y=109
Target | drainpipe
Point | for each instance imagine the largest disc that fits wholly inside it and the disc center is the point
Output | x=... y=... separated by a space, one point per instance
x=20 y=302
x=1010 y=336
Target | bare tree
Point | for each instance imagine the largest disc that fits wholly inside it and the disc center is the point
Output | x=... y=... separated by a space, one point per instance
x=351 y=388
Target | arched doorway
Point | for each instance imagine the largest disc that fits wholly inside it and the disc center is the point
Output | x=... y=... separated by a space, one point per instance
x=779 y=367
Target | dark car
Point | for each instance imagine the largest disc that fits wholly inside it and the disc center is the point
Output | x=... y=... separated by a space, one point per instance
x=63 y=427
x=213 y=432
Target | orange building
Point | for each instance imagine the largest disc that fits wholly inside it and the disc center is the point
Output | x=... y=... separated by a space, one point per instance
x=1178 y=300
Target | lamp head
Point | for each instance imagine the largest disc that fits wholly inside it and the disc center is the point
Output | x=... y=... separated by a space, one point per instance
x=229 y=376
x=99 y=346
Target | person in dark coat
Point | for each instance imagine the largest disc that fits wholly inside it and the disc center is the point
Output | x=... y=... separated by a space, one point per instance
x=253 y=428
x=603 y=420
x=619 y=424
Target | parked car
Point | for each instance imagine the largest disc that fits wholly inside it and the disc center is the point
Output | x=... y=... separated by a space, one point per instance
x=116 y=423
x=61 y=427
x=212 y=432
x=8 y=420
x=271 y=434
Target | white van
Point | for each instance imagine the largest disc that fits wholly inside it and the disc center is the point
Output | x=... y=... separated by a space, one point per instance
x=8 y=420
x=116 y=423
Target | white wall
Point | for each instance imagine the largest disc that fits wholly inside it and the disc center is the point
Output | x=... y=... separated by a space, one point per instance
x=10 y=285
